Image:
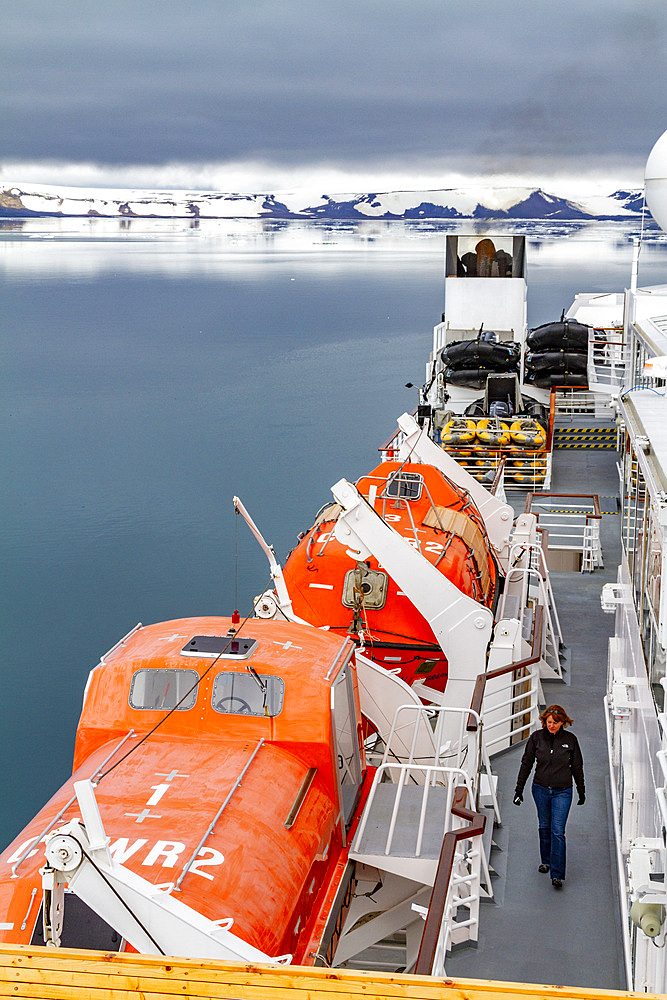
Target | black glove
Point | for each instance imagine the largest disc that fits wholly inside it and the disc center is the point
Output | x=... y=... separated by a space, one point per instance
x=518 y=798
x=581 y=800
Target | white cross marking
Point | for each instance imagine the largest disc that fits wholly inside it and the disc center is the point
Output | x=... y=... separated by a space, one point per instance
x=287 y=645
x=171 y=638
x=144 y=814
x=170 y=776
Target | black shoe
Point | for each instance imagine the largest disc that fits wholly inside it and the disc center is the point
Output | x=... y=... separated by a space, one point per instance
x=557 y=883
x=543 y=869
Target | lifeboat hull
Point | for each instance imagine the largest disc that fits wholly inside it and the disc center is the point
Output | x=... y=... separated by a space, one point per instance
x=173 y=803
x=442 y=523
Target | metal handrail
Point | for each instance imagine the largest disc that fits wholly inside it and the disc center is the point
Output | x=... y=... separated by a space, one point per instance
x=596 y=513
x=437 y=906
x=437 y=712
x=398 y=433
x=211 y=828
x=443 y=877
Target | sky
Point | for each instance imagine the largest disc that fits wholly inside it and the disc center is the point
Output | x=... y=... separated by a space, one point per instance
x=347 y=95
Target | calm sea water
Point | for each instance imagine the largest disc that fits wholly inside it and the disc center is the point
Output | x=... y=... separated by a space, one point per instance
x=152 y=370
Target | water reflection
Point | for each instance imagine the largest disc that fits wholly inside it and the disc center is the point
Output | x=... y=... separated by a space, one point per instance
x=94 y=247
x=154 y=368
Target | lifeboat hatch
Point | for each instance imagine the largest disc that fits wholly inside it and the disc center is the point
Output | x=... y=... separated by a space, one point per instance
x=404 y=485
x=82 y=928
x=368 y=584
x=223 y=647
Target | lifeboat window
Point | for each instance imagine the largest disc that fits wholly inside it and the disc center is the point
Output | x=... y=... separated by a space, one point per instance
x=345 y=728
x=248 y=694
x=163 y=689
x=406 y=485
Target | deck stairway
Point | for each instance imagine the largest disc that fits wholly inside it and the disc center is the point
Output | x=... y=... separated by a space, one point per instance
x=583 y=420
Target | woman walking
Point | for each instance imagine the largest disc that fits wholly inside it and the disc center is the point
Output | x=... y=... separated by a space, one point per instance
x=558 y=760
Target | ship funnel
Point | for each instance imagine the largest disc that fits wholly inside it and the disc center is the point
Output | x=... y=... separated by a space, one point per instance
x=655 y=179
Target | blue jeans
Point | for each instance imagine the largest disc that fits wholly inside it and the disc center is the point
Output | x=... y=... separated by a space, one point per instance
x=553 y=806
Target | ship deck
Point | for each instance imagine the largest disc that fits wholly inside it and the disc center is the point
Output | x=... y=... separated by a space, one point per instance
x=531 y=932
x=568 y=940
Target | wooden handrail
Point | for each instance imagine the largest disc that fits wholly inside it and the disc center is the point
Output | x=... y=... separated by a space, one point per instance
x=443 y=875
x=499 y=471
x=596 y=515
x=480 y=682
x=544 y=532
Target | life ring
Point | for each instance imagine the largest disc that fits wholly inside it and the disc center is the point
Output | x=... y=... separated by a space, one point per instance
x=458 y=431
x=528 y=432
x=493 y=432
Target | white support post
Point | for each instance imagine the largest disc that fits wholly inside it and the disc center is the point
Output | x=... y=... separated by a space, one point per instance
x=497 y=516
x=461 y=625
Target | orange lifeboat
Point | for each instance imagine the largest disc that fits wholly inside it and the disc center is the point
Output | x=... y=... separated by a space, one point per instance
x=173 y=717
x=438 y=518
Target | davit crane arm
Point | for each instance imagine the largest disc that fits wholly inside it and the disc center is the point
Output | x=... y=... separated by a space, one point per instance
x=497 y=516
x=144 y=914
x=461 y=625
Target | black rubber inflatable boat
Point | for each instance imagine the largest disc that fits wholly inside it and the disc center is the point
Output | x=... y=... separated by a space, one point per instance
x=567 y=335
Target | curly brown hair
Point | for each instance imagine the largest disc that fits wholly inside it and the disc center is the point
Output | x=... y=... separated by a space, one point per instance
x=558 y=713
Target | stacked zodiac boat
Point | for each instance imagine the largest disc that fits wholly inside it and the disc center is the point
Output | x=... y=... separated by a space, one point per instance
x=557 y=354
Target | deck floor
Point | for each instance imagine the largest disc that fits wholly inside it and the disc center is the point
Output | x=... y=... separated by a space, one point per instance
x=533 y=933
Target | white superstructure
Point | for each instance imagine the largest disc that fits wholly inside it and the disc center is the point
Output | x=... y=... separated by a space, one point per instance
x=635 y=700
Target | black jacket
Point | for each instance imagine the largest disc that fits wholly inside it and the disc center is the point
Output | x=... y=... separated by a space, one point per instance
x=558 y=758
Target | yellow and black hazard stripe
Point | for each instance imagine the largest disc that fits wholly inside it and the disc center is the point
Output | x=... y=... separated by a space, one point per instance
x=584 y=444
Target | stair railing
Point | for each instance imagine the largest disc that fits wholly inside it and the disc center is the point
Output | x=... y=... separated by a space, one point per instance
x=458 y=871
x=574 y=526
x=442 y=929
x=517 y=713
x=401 y=775
x=455 y=744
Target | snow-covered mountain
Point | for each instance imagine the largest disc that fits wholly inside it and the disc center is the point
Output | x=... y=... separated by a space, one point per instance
x=17 y=200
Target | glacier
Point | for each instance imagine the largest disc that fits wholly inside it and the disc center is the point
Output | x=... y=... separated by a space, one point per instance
x=476 y=202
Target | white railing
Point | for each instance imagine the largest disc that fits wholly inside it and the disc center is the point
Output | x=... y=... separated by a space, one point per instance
x=607 y=360
x=573 y=522
x=389 y=450
x=402 y=775
x=522 y=469
x=463 y=892
x=574 y=401
x=458 y=737
x=510 y=708
x=527 y=583
x=454 y=745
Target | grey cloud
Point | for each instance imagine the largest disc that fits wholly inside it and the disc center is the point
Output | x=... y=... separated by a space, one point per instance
x=315 y=81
